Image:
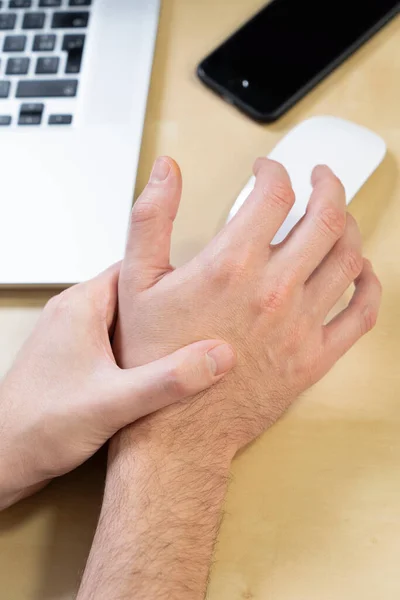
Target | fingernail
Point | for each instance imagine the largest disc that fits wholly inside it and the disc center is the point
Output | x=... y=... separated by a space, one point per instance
x=222 y=359
x=160 y=170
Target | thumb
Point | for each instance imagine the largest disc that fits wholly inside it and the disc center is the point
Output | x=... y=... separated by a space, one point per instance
x=143 y=390
x=148 y=248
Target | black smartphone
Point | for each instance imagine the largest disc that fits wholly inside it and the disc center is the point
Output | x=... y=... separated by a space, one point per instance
x=287 y=48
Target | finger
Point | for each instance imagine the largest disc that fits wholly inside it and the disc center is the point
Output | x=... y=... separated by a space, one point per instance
x=337 y=272
x=264 y=211
x=319 y=230
x=358 y=318
x=149 y=241
x=183 y=374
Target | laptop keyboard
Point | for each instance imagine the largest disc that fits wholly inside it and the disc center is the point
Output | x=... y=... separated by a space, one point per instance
x=42 y=44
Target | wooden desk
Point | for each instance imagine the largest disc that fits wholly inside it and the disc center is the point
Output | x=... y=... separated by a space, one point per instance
x=314 y=509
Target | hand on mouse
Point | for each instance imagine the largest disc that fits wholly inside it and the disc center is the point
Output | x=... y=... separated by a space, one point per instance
x=64 y=397
x=270 y=303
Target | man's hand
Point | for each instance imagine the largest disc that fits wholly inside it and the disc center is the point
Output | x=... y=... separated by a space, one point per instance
x=270 y=303
x=65 y=396
x=168 y=474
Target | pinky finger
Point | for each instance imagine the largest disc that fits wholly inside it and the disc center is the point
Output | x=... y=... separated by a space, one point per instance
x=359 y=317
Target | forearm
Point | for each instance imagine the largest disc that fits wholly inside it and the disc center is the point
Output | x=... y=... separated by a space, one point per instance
x=159 y=521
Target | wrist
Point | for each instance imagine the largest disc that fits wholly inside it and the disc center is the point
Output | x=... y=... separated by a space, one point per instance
x=194 y=433
x=18 y=476
x=12 y=488
x=136 y=449
x=11 y=494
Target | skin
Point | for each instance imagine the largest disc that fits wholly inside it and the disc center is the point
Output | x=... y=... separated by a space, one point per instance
x=168 y=474
x=65 y=396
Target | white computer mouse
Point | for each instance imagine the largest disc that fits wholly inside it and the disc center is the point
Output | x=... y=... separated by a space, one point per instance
x=351 y=151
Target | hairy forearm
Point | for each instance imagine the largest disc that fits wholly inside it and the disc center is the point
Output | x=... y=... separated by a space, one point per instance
x=159 y=521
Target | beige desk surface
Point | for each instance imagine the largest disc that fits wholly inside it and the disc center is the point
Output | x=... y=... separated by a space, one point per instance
x=314 y=509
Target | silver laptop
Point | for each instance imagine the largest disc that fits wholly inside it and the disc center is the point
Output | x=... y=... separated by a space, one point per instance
x=74 y=77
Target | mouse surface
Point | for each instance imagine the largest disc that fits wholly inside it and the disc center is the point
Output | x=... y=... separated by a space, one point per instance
x=351 y=151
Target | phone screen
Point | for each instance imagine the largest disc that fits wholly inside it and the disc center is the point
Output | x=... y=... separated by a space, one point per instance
x=290 y=45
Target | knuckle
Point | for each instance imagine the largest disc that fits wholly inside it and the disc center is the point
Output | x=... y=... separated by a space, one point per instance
x=176 y=384
x=352 y=235
x=351 y=263
x=352 y=230
x=228 y=268
x=276 y=298
x=144 y=212
x=352 y=224
x=59 y=305
x=368 y=318
x=279 y=192
x=331 y=221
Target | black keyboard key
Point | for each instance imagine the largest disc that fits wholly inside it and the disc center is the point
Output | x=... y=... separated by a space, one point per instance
x=5 y=119
x=30 y=114
x=60 y=119
x=14 y=43
x=32 y=107
x=4 y=89
x=34 y=20
x=20 y=4
x=74 y=61
x=29 y=119
x=17 y=66
x=73 y=42
x=7 y=21
x=70 y=20
x=44 y=43
x=49 y=3
x=80 y=2
x=47 y=65
x=47 y=88
x=74 y=45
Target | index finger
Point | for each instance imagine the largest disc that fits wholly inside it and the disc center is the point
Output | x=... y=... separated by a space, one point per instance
x=264 y=211
x=319 y=230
